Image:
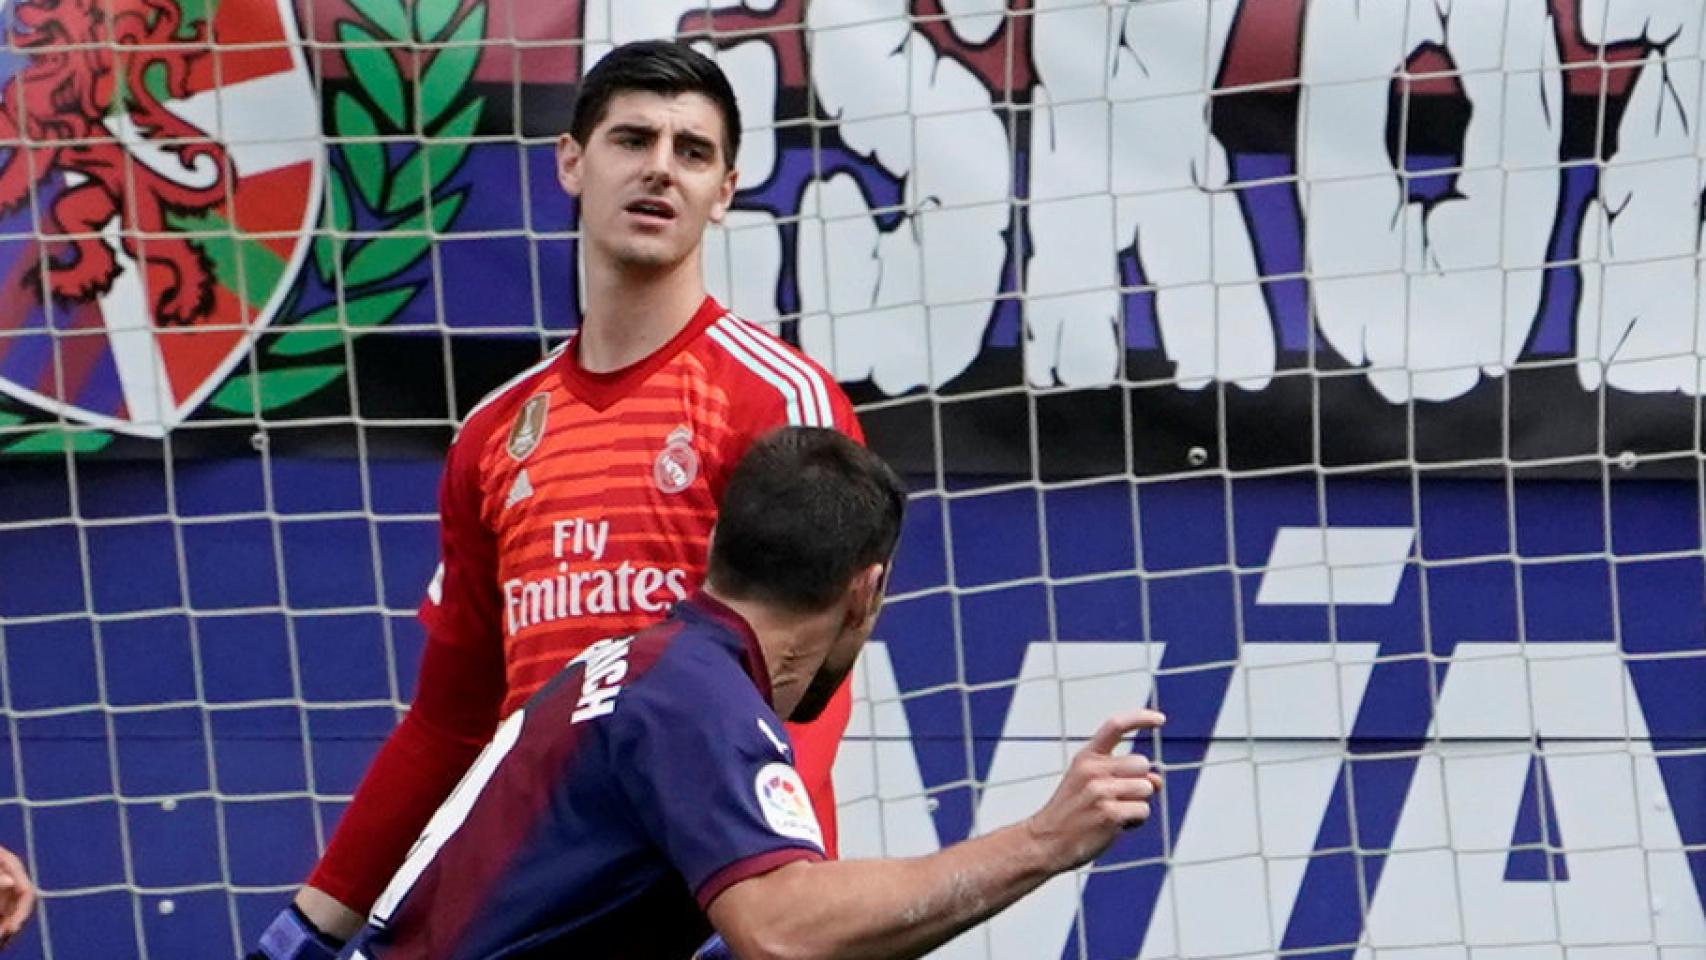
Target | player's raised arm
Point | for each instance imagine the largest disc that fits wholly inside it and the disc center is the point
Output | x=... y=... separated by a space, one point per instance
x=806 y=529
x=905 y=908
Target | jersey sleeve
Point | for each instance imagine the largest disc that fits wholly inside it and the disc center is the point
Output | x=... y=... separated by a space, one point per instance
x=779 y=386
x=705 y=767
x=842 y=409
x=462 y=604
x=457 y=700
x=454 y=714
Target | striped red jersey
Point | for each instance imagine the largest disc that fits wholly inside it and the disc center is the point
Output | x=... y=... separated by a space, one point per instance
x=578 y=506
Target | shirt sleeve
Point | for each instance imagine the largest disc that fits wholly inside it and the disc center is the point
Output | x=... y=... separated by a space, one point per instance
x=457 y=700
x=455 y=711
x=705 y=767
x=845 y=419
x=462 y=605
x=801 y=394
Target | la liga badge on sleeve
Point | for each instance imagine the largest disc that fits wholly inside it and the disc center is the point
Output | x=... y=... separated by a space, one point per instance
x=786 y=805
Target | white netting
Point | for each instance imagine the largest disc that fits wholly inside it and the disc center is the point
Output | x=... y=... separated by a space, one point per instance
x=1323 y=373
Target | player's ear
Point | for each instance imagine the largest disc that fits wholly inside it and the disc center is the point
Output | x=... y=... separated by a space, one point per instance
x=865 y=597
x=725 y=194
x=569 y=155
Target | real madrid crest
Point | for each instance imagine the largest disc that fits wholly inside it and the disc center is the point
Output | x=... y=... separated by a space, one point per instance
x=529 y=426
x=677 y=465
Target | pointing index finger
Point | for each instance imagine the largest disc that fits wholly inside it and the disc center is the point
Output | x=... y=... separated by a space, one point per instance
x=1121 y=725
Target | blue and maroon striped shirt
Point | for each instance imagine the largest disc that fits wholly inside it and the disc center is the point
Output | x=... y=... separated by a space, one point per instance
x=646 y=778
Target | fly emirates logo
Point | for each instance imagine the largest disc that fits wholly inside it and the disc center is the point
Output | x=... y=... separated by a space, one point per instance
x=570 y=591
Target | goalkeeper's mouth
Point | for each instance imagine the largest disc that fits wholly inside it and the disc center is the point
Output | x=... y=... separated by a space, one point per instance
x=651 y=210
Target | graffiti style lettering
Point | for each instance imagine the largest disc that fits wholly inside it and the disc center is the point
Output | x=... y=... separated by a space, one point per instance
x=1349 y=186
x=1431 y=193
x=1636 y=326
x=808 y=147
x=1255 y=111
x=1597 y=79
x=910 y=307
x=1005 y=63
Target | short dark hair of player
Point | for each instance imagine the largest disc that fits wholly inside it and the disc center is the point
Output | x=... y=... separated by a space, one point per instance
x=805 y=510
x=664 y=67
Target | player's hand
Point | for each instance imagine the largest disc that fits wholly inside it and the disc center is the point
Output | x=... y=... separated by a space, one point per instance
x=1099 y=795
x=17 y=896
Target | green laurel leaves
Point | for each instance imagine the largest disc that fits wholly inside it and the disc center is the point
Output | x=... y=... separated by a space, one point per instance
x=386 y=198
x=376 y=70
x=46 y=440
x=388 y=15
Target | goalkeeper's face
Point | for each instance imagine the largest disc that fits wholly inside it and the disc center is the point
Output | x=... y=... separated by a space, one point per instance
x=652 y=174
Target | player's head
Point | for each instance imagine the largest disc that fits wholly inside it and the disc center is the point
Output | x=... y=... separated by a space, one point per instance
x=650 y=153
x=808 y=525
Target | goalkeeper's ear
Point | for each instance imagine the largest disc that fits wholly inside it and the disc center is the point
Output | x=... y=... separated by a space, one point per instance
x=569 y=154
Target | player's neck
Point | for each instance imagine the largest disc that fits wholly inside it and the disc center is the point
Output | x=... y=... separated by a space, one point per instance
x=631 y=313
x=794 y=646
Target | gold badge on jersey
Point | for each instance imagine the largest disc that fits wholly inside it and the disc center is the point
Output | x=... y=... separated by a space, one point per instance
x=529 y=426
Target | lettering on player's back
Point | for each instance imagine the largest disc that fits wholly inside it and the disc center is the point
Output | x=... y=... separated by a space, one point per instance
x=605 y=666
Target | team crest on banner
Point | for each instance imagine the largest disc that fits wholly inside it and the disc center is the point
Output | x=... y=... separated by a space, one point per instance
x=162 y=207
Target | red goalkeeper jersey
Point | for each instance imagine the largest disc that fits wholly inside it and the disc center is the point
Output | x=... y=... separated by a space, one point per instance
x=576 y=506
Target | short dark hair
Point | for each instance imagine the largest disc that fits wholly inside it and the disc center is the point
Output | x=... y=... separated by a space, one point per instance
x=805 y=510
x=664 y=67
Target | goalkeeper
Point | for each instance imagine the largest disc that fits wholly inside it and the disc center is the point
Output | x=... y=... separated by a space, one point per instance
x=578 y=499
x=650 y=783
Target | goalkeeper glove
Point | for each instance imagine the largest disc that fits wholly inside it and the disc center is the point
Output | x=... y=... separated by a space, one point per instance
x=714 y=949
x=291 y=936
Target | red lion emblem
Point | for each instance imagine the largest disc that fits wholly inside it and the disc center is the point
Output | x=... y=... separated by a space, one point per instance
x=83 y=54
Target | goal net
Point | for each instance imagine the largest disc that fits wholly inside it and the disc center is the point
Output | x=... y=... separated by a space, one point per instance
x=1325 y=374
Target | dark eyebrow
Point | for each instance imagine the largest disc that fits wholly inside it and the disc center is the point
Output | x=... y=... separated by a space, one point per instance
x=648 y=132
x=696 y=140
x=638 y=129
